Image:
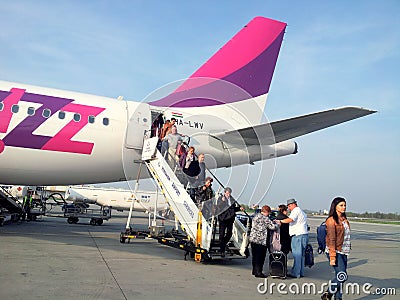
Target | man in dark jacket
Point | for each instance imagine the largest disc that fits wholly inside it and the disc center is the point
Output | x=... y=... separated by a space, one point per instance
x=204 y=198
x=227 y=207
x=285 y=238
x=205 y=192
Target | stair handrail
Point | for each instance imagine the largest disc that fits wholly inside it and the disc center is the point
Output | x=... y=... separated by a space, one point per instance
x=223 y=187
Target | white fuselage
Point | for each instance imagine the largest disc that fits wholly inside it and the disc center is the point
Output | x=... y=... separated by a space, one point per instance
x=54 y=137
x=119 y=199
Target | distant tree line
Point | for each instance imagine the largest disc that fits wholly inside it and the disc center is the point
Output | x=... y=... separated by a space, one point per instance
x=376 y=215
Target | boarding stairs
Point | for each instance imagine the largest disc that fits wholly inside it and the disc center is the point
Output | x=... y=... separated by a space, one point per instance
x=10 y=204
x=199 y=230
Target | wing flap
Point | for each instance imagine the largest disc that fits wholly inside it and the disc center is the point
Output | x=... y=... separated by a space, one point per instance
x=279 y=131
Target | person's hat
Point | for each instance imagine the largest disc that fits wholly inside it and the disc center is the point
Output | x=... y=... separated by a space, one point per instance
x=208 y=179
x=228 y=189
x=290 y=201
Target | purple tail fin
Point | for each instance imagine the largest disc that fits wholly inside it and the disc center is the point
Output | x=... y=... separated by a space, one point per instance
x=247 y=61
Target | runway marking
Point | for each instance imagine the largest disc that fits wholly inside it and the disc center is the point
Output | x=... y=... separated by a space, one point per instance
x=394 y=247
x=367 y=231
x=108 y=266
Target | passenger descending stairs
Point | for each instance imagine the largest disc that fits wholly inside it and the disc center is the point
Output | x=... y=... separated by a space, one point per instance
x=185 y=210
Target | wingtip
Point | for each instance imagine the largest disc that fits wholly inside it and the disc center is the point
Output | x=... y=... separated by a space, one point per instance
x=367 y=111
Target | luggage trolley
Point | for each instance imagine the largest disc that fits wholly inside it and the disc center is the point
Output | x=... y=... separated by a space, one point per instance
x=73 y=212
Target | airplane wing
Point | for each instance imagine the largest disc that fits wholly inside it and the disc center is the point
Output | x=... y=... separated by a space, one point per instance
x=279 y=131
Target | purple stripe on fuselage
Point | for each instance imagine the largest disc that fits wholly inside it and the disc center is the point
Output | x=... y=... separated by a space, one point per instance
x=3 y=95
x=22 y=135
x=214 y=93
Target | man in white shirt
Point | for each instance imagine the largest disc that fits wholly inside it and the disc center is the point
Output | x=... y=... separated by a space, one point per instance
x=298 y=230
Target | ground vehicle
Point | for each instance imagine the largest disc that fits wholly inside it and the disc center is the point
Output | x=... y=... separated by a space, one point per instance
x=73 y=212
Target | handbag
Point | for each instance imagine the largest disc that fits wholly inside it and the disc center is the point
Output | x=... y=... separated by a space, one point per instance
x=180 y=149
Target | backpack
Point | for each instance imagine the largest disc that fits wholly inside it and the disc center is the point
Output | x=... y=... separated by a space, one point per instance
x=321 y=237
x=309 y=256
x=180 y=149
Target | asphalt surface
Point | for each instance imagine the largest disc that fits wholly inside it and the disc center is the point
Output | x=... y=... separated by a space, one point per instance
x=50 y=259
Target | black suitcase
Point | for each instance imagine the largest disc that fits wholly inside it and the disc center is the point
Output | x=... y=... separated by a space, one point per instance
x=277 y=264
x=309 y=256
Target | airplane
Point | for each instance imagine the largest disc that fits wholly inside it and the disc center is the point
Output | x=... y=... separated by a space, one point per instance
x=55 y=137
x=118 y=199
x=16 y=191
x=115 y=198
x=20 y=191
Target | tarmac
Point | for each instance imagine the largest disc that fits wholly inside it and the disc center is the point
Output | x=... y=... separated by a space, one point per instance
x=51 y=259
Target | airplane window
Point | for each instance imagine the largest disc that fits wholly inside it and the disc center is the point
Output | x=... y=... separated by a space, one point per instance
x=1 y=106
x=91 y=119
x=61 y=115
x=31 y=111
x=46 y=113
x=77 y=117
x=15 y=108
x=106 y=121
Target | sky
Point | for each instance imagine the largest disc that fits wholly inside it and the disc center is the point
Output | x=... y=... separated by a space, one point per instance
x=334 y=54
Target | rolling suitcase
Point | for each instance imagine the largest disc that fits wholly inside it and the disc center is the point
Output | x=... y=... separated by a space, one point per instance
x=277 y=264
x=309 y=256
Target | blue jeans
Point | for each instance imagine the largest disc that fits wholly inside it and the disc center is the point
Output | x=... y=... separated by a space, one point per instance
x=337 y=282
x=299 y=243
